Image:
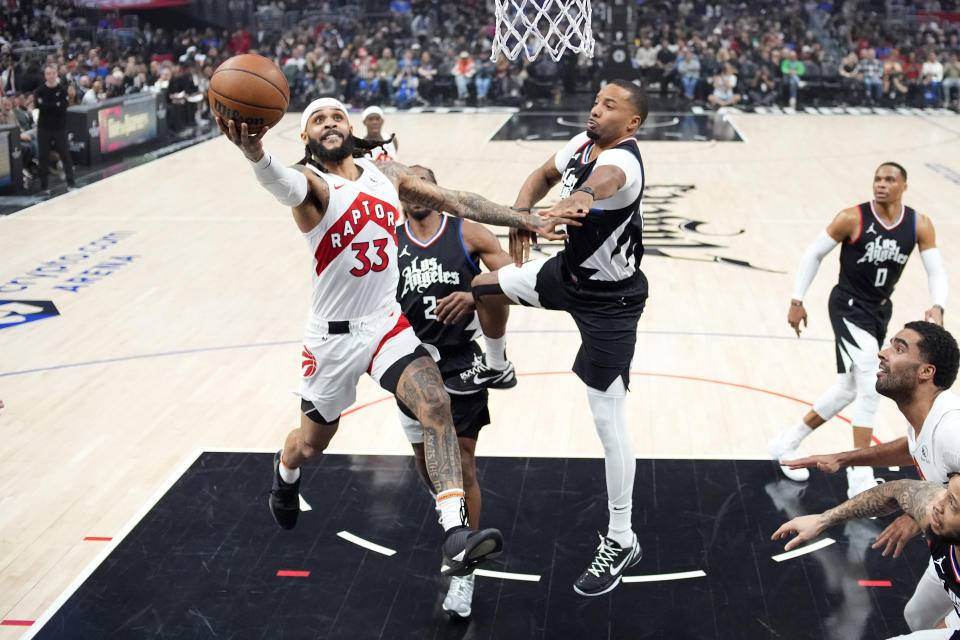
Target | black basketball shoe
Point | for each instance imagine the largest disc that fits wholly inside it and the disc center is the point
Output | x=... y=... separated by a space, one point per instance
x=284 y=498
x=605 y=571
x=464 y=549
x=481 y=376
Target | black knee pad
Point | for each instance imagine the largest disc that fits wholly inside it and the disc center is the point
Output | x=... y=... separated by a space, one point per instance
x=481 y=290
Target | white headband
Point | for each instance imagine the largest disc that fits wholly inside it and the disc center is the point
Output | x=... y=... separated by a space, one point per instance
x=369 y=111
x=317 y=104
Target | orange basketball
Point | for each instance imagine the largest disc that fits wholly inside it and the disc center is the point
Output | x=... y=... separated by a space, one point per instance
x=249 y=88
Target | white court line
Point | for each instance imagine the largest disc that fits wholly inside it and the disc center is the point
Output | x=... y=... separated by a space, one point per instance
x=110 y=546
x=526 y=577
x=658 y=577
x=304 y=505
x=810 y=548
x=366 y=544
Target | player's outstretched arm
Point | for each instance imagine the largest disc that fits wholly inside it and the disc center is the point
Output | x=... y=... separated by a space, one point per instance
x=886 y=454
x=916 y=499
x=465 y=204
x=933 y=264
x=306 y=195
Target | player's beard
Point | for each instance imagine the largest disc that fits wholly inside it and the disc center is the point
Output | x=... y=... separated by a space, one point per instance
x=593 y=135
x=898 y=386
x=333 y=156
x=417 y=212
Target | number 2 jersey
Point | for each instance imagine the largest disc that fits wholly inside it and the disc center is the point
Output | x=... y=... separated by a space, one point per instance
x=355 y=246
x=430 y=270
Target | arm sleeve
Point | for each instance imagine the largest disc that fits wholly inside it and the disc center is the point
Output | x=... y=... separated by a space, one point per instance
x=810 y=262
x=936 y=276
x=626 y=162
x=563 y=156
x=288 y=186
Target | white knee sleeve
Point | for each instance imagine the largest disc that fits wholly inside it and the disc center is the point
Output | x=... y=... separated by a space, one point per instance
x=842 y=393
x=865 y=410
x=610 y=418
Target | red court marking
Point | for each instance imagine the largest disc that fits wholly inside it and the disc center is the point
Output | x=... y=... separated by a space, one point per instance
x=874 y=583
x=98 y=539
x=16 y=623
x=292 y=574
x=643 y=373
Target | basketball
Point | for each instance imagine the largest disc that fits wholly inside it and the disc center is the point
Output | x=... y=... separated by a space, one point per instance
x=249 y=88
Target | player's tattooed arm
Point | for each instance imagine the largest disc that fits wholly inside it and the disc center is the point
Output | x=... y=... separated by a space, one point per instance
x=465 y=204
x=421 y=389
x=915 y=498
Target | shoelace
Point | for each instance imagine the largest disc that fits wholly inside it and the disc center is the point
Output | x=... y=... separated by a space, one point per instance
x=605 y=556
x=479 y=367
x=462 y=587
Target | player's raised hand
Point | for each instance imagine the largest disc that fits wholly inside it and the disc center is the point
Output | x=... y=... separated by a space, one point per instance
x=934 y=314
x=454 y=307
x=250 y=143
x=796 y=315
x=897 y=534
x=805 y=528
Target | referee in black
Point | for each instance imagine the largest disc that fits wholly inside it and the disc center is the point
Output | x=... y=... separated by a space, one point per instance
x=51 y=100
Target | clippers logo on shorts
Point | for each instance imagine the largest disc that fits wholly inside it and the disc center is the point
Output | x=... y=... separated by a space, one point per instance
x=309 y=363
x=420 y=274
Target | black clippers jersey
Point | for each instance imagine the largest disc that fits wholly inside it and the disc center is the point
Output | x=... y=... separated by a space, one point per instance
x=430 y=270
x=608 y=247
x=945 y=562
x=871 y=265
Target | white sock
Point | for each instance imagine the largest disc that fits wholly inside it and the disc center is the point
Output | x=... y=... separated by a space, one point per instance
x=496 y=352
x=620 y=528
x=287 y=474
x=798 y=432
x=453 y=508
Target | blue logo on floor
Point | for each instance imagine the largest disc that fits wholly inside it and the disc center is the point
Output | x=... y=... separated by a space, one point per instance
x=14 y=313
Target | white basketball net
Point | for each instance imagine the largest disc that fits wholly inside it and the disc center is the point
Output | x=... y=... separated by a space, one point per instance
x=530 y=26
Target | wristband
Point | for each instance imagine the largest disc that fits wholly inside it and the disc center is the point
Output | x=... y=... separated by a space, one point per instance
x=586 y=190
x=796 y=304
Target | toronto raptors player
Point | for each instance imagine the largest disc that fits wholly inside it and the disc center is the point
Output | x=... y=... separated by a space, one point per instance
x=347 y=211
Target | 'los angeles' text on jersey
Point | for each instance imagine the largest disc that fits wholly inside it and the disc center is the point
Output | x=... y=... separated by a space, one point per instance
x=871 y=265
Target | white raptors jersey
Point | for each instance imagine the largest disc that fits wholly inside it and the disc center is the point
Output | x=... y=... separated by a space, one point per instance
x=385 y=151
x=355 y=247
x=936 y=451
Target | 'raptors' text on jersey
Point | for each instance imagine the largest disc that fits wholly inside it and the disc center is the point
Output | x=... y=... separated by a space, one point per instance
x=355 y=246
x=871 y=265
x=430 y=270
x=609 y=245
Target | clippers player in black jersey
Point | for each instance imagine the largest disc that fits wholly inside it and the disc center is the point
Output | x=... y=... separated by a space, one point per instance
x=878 y=237
x=596 y=278
x=438 y=256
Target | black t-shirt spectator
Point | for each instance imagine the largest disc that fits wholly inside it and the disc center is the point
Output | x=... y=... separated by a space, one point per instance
x=52 y=103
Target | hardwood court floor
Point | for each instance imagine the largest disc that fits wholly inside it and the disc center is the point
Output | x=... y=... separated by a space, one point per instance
x=182 y=287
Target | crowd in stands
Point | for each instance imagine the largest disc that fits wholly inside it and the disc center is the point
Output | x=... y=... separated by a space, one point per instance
x=426 y=52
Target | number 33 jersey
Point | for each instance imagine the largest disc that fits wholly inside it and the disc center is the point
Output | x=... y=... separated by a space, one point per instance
x=355 y=246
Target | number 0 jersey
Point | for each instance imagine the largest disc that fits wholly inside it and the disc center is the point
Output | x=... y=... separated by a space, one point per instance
x=871 y=265
x=355 y=246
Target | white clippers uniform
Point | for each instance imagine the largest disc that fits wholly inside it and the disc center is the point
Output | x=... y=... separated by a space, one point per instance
x=354 y=284
x=936 y=452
